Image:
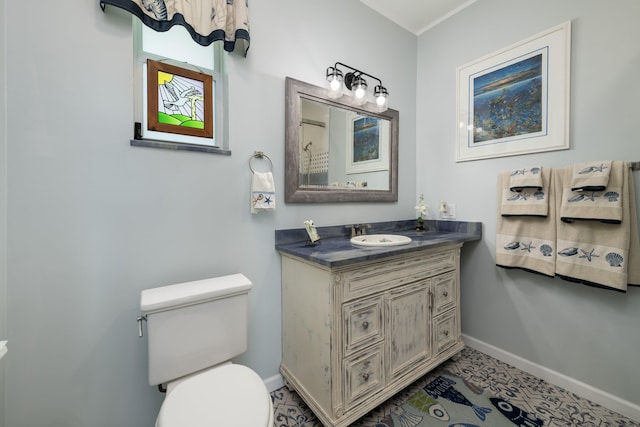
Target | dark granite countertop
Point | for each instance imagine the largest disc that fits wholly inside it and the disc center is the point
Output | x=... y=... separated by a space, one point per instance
x=335 y=248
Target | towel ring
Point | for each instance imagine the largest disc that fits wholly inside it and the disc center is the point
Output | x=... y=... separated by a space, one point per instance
x=259 y=155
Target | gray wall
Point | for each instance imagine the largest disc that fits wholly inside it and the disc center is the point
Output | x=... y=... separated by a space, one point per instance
x=93 y=221
x=589 y=334
x=3 y=211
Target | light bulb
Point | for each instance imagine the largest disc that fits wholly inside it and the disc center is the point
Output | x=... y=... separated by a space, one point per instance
x=334 y=77
x=359 y=88
x=381 y=95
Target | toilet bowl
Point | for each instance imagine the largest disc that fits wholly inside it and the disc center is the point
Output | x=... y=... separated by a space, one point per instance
x=194 y=329
x=229 y=396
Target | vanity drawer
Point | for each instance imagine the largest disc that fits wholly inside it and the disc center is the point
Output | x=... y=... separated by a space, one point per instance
x=445 y=331
x=444 y=292
x=381 y=276
x=362 y=323
x=362 y=376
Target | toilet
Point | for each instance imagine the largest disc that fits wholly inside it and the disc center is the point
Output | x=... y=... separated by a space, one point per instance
x=194 y=329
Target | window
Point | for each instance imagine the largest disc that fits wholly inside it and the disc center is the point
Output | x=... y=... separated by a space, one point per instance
x=175 y=47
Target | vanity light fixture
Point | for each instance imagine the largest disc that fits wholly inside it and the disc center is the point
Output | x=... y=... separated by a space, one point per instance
x=355 y=82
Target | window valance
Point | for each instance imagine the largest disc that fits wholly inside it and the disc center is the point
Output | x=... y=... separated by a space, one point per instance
x=206 y=20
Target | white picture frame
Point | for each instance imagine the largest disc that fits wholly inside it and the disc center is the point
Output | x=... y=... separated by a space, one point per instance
x=378 y=158
x=516 y=100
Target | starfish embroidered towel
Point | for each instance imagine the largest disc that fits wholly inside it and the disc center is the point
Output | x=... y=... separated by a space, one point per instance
x=592 y=176
x=528 y=201
x=596 y=253
x=526 y=241
x=526 y=178
x=263 y=192
x=596 y=205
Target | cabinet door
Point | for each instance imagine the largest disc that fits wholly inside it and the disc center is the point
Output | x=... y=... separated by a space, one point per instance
x=407 y=333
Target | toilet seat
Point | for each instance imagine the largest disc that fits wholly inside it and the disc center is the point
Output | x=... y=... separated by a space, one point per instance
x=229 y=395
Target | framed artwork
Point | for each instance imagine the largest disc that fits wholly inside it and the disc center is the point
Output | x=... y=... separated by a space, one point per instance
x=516 y=100
x=367 y=144
x=179 y=100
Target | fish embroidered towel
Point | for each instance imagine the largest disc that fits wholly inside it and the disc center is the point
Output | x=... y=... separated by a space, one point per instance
x=591 y=176
x=603 y=205
x=526 y=178
x=529 y=201
x=526 y=242
x=597 y=253
x=263 y=192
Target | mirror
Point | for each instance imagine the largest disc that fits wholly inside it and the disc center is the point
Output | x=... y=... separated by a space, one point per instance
x=337 y=151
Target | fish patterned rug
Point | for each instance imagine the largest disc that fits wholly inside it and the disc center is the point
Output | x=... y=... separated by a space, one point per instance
x=472 y=371
x=450 y=401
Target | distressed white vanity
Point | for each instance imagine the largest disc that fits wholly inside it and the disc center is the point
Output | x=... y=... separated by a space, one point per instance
x=359 y=325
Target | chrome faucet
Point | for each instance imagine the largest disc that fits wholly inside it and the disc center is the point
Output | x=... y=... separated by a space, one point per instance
x=358 y=229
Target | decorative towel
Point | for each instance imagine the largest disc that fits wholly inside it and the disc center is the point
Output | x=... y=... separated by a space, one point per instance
x=592 y=176
x=596 y=253
x=528 y=201
x=263 y=192
x=527 y=242
x=604 y=205
x=526 y=178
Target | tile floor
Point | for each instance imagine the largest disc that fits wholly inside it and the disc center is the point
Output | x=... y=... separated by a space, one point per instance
x=556 y=406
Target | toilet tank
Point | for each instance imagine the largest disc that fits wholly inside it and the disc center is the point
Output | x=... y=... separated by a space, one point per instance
x=195 y=325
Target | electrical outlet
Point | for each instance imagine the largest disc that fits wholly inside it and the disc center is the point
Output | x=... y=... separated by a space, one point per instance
x=448 y=210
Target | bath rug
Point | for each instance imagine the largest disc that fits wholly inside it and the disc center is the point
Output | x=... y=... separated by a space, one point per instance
x=450 y=401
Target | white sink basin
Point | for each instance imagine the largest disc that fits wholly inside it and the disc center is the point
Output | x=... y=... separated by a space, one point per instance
x=379 y=240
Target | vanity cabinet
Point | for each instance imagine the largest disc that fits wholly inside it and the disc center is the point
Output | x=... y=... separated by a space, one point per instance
x=355 y=335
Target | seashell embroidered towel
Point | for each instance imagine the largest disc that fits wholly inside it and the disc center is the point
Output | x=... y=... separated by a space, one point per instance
x=526 y=241
x=603 y=205
x=263 y=192
x=528 y=201
x=592 y=176
x=598 y=253
x=526 y=178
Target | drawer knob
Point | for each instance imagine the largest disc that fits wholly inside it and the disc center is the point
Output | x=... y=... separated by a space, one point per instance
x=365 y=324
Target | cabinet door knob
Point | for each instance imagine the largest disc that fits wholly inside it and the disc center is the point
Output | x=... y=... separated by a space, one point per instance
x=365 y=376
x=446 y=333
x=445 y=294
x=365 y=324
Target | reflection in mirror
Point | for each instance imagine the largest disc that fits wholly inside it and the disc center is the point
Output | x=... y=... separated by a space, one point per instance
x=337 y=151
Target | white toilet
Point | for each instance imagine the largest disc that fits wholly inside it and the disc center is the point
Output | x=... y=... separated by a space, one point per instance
x=194 y=329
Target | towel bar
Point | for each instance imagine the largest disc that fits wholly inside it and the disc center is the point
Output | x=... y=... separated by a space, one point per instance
x=259 y=155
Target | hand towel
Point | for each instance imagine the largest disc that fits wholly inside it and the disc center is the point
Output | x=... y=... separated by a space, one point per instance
x=592 y=176
x=526 y=242
x=263 y=192
x=596 y=253
x=521 y=179
x=529 y=201
x=604 y=205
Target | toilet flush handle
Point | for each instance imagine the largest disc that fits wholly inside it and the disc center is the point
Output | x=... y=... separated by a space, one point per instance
x=140 y=319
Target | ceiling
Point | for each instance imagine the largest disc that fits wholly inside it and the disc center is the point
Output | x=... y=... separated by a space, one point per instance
x=417 y=16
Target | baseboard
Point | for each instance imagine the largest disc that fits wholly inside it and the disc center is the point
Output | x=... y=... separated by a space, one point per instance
x=595 y=395
x=273 y=383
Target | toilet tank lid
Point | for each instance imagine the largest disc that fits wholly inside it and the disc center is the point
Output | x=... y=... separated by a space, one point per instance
x=188 y=293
